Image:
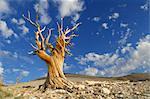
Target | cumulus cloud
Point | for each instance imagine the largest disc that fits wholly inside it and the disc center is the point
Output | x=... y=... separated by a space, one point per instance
x=15 y=55
x=5 y=31
x=123 y=25
x=127 y=48
x=145 y=7
x=139 y=59
x=66 y=67
x=117 y=65
x=42 y=8
x=25 y=73
x=4 y=53
x=89 y=71
x=125 y=36
x=8 y=41
x=98 y=59
x=21 y=25
x=24 y=29
x=70 y=8
x=15 y=70
x=18 y=22
x=114 y=16
x=96 y=19
x=8 y=54
x=105 y=25
x=4 y=7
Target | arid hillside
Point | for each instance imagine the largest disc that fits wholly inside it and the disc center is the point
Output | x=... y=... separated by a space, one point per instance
x=134 y=86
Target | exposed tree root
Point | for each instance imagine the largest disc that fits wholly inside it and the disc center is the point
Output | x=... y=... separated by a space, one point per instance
x=57 y=83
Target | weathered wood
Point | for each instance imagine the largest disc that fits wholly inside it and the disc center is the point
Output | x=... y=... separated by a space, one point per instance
x=54 y=60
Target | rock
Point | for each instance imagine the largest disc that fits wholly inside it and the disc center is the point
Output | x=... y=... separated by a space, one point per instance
x=32 y=97
x=96 y=93
x=108 y=98
x=100 y=97
x=88 y=90
x=60 y=91
x=120 y=96
x=106 y=90
x=91 y=82
x=26 y=94
x=79 y=87
x=82 y=97
x=138 y=93
x=18 y=95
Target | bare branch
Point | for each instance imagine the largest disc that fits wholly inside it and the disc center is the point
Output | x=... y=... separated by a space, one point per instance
x=73 y=28
x=33 y=46
x=42 y=37
x=43 y=29
x=61 y=24
x=59 y=28
x=29 y=19
x=48 y=37
x=67 y=51
x=31 y=52
x=29 y=15
x=60 y=44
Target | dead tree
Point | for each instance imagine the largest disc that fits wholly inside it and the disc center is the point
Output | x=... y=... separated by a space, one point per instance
x=55 y=60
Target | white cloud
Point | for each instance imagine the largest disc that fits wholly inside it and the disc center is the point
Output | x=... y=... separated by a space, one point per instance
x=76 y=17
x=24 y=29
x=66 y=67
x=127 y=48
x=123 y=25
x=1 y=70
x=125 y=36
x=8 y=41
x=117 y=65
x=145 y=7
x=14 y=20
x=25 y=73
x=21 y=25
x=89 y=71
x=4 y=53
x=5 y=31
x=15 y=70
x=42 y=8
x=98 y=59
x=15 y=55
x=4 y=7
x=18 y=22
x=140 y=58
x=114 y=16
x=10 y=82
x=105 y=25
x=96 y=19
x=69 y=8
x=8 y=54
x=97 y=33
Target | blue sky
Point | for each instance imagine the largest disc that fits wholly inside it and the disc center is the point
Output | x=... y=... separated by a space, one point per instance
x=114 y=37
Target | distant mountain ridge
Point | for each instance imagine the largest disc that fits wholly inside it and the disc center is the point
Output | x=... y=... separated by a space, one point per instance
x=131 y=77
x=136 y=77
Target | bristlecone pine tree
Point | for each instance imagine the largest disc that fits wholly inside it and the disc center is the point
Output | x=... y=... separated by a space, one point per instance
x=55 y=60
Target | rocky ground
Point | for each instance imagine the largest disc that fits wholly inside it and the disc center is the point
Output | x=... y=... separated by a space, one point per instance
x=87 y=89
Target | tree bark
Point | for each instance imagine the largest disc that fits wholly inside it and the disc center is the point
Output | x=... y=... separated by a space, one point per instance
x=55 y=76
x=55 y=60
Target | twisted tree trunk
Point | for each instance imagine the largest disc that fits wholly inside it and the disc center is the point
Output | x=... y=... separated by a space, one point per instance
x=54 y=60
x=55 y=76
